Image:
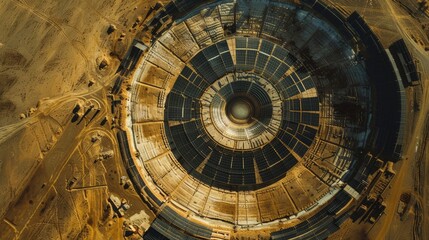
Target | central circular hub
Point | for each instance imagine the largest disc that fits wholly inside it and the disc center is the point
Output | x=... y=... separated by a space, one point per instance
x=241 y=110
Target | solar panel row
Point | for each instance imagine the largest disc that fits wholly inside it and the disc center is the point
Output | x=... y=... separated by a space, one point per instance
x=227 y=167
x=213 y=62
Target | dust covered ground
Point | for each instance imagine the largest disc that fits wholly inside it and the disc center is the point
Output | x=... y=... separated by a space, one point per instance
x=58 y=171
x=50 y=48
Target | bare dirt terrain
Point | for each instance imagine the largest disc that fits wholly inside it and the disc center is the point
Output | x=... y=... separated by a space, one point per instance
x=49 y=48
x=53 y=183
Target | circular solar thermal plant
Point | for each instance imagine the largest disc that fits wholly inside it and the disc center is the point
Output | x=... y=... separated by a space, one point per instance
x=239 y=116
x=234 y=114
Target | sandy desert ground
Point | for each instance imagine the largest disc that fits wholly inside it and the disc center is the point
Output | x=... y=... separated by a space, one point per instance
x=49 y=53
x=51 y=48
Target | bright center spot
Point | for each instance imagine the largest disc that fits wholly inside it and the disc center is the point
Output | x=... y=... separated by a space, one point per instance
x=241 y=110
